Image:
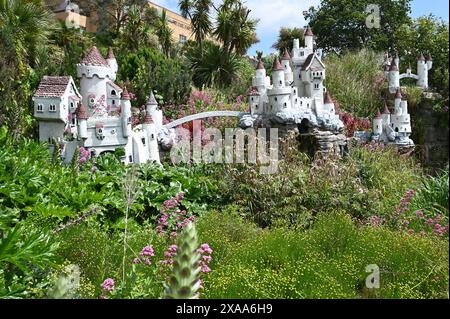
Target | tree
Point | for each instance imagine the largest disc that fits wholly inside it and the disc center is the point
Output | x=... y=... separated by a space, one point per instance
x=25 y=26
x=286 y=38
x=164 y=33
x=427 y=35
x=341 y=24
x=201 y=21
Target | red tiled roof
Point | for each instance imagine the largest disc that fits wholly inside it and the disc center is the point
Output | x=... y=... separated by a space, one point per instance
x=53 y=86
x=125 y=94
x=81 y=112
x=308 y=62
x=260 y=66
x=309 y=32
x=110 y=54
x=277 y=65
x=386 y=109
x=378 y=116
x=393 y=66
x=328 y=99
x=286 y=56
x=94 y=58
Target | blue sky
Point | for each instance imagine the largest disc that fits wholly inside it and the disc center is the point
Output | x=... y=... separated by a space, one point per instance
x=274 y=14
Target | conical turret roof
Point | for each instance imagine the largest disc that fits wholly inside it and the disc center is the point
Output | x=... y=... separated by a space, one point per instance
x=277 y=65
x=421 y=57
x=110 y=55
x=386 y=109
x=378 y=115
x=94 y=58
x=398 y=94
x=328 y=99
x=394 y=66
x=151 y=99
x=125 y=94
x=309 y=32
x=81 y=112
x=286 y=56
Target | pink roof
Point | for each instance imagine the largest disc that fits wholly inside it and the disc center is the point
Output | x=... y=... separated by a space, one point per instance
x=421 y=57
x=110 y=55
x=328 y=99
x=393 y=66
x=260 y=66
x=378 y=116
x=309 y=32
x=151 y=99
x=277 y=65
x=253 y=92
x=99 y=125
x=286 y=56
x=94 y=58
x=429 y=57
x=81 y=112
x=125 y=94
x=398 y=94
x=52 y=86
x=386 y=110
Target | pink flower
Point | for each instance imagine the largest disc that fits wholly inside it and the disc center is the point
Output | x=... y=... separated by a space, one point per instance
x=136 y=261
x=205 y=269
x=147 y=251
x=108 y=285
x=206 y=248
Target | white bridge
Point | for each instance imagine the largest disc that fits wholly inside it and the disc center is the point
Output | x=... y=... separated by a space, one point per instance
x=204 y=115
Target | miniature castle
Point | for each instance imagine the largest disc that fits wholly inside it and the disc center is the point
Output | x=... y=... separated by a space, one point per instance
x=392 y=71
x=98 y=116
x=393 y=128
x=295 y=94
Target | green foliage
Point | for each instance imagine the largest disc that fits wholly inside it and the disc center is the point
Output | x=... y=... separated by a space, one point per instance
x=184 y=282
x=327 y=261
x=427 y=35
x=354 y=79
x=432 y=195
x=212 y=67
x=286 y=38
x=148 y=69
x=341 y=24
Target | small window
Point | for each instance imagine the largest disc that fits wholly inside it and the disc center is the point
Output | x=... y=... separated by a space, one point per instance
x=129 y=120
x=100 y=131
x=276 y=99
x=316 y=86
x=256 y=106
x=143 y=141
x=302 y=53
x=285 y=104
x=295 y=91
x=113 y=93
x=130 y=159
x=40 y=108
x=296 y=100
x=281 y=82
x=252 y=99
x=152 y=136
x=71 y=105
x=113 y=102
x=52 y=108
x=73 y=120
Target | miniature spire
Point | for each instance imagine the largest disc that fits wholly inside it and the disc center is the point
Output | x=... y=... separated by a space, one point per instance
x=125 y=94
x=110 y=55
x=277 y=65
x=81 y=112
x=378 y=116
x=398 y=94
x=328 y=99
x=309 y=32
x=286 y=56
x=94 y=58
x=253 y=92
x=151 y=99
x=393 y=66
x=260 y=66
x=429 y=57
x=421 y=57
x=386 y=109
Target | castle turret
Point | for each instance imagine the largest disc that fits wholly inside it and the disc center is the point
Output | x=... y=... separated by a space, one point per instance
x=397 y=59
x=328 y=104
x=151 y=108
x=378 y=124
x=397 y=102
x=386 y=116
x=82 y=117
x=429 y=60
x=422 y=72
x=278 y=74
x=112 y=62
x=286 y=62
x=394 y=77
x=261 y=81
x=309 y=39
x=94 y=73
x=126 y=113
x=150 y=130
x=254 y=100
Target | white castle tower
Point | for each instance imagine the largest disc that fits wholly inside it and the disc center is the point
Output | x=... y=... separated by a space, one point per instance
x=286 y=62
x=126 y=114
x=151 y=108
x=394 y=77
x=151 y=132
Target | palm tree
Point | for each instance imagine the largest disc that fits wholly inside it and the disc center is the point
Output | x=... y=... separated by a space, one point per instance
x=25 y=26
x=164 y=33
x=201 y=21
x=185 y=8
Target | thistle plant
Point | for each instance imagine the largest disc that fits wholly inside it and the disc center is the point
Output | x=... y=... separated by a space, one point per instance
x=184 y=282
